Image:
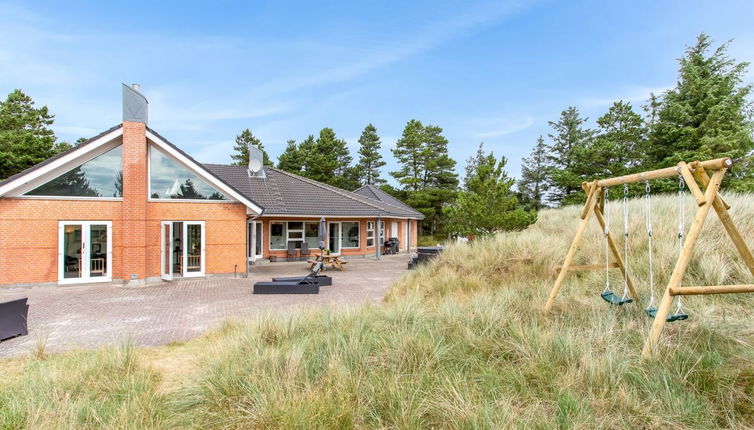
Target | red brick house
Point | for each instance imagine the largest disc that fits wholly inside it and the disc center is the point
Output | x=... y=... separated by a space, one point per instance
x=128 y=205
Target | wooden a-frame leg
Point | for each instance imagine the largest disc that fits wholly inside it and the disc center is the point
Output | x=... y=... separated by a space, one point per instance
x=680 y=266
x=722 y=212
x=616 y=254
x=589 y=208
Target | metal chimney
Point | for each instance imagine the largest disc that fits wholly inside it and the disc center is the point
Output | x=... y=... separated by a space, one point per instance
x=134 y=104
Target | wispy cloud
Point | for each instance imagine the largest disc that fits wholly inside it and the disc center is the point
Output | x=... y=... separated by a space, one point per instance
x=633 y=94
x=369 y=58
x=502 y=126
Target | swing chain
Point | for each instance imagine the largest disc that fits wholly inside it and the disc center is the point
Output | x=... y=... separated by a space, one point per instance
x=648 y=218
x=607 y=251
x=625 y=241
x=681 y=231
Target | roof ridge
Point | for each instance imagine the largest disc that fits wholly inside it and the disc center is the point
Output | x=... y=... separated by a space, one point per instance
x=375 y=189
x=349 y=194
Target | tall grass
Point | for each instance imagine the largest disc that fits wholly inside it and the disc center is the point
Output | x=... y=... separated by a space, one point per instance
x=460 y=343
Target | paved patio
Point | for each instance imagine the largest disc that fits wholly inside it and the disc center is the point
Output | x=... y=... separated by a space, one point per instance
x=90 y=316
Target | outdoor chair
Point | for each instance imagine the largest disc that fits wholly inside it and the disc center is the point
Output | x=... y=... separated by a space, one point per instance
x=304 y=285
x=13 y=318
x=291 y=253
x=305 y=252
x=315 y=274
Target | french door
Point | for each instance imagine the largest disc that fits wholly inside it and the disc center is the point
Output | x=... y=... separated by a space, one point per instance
x=254 y=240
x=182 y=249
x=334 y=237
x=85 y=251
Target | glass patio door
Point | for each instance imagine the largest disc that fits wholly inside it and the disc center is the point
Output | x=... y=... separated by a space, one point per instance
x=333 y=235
x=193 y=251
x=84 y=251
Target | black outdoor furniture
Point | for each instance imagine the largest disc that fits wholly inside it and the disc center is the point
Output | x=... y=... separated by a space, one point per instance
x=13 y=318
x=304 y=285
x=305 y=252
x=291 y=252
x=424 y=254
x=323 y=280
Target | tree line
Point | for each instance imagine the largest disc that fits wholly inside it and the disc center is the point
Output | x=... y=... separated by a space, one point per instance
x=706 y=115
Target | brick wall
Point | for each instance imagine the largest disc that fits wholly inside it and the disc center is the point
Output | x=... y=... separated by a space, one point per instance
x=29 y=235
x=225 y=231
x=134 y=200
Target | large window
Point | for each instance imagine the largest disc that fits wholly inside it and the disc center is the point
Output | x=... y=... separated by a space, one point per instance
x=102 y=176
x=298 y=232
x=370 y=233
x=170 y=180
x=349 y=232
x=311 y=234
x=277 y=235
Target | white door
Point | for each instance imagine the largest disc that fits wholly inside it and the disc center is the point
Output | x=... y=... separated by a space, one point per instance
x=193 y=249
x=256 y=239
x=407 y=242
x=166 y=250
x=394 y=229
x=85 y=251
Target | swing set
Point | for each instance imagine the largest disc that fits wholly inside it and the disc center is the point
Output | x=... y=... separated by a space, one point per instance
x=705 y=190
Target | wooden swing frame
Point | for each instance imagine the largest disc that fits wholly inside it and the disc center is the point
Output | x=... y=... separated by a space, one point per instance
x=705 y=190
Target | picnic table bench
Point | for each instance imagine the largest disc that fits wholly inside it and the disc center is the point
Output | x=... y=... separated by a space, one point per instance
x=333 y=261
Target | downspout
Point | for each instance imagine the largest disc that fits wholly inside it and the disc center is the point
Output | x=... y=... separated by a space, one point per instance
x=378 y=240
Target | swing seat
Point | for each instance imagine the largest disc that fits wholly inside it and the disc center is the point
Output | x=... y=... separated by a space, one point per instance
x=678 y=316
x=615 y=299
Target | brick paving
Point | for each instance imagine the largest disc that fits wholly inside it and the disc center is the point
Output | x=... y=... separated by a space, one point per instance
x=90 y=316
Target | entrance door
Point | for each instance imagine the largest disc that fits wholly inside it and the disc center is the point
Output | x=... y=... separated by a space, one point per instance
x=166 y=250
x=333 y=235
x=84 y=251
x=182 y=250
x=254 y=240
x=394 y=229
x=193 y=251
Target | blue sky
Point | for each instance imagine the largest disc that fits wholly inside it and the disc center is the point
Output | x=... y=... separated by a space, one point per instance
x=492 y=72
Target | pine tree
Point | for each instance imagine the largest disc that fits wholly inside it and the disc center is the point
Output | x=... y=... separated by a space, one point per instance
x=25 y=135
x=370 y=159
x=488 y=203
x=329 y=161
x=241 y=155
x=410 y=153
x=426 y=172
x=534 y=181
x=291 y=159
x=568 y=164
x=707 y=114
x=620 y=144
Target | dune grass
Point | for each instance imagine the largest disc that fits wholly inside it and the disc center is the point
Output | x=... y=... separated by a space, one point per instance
x=460 y=343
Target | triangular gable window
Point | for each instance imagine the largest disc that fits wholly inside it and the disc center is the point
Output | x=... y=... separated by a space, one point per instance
x=102 y=176
x=170 y=180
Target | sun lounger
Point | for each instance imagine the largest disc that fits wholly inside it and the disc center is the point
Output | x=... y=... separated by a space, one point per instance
x=13 y=318
x=304 y=285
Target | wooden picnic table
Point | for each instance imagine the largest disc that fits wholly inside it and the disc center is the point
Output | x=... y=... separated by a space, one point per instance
x=331 y=260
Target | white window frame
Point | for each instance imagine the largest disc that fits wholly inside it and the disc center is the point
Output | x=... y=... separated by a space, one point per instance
x=85 y=235
x=186 y=273
x=358 y=224
x=370 y=234
x=288 y=231
x=285 y=234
